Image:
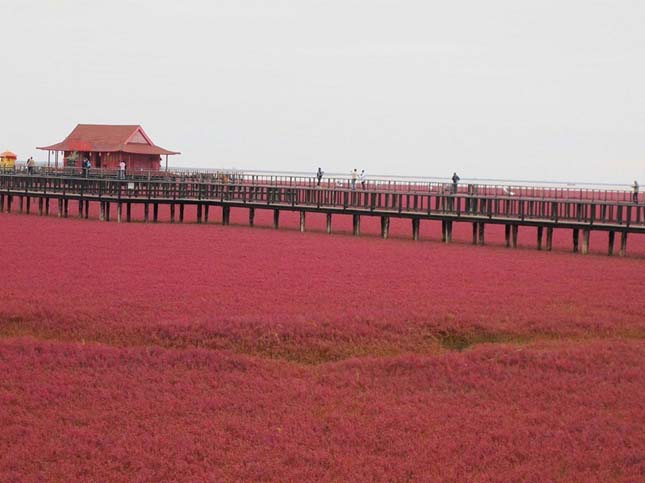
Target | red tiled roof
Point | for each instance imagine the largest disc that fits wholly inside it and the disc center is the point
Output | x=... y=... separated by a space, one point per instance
x=105 y=138
x=8 y=154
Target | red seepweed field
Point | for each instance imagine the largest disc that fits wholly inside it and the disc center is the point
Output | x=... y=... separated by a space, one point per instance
x=202 y=352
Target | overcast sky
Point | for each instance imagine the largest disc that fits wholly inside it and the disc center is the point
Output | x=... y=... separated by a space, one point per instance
x=544 y=89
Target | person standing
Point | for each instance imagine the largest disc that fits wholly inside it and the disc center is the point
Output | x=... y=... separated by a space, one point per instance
x=86 y=167
x=635 y=194
x=354 y=178
x=363 y=178
x=30 y=165
x=122 y=170
x=455 y=182
x=319 y=175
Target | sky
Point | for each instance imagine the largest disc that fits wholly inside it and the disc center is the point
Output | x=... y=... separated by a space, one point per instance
x=503 y=89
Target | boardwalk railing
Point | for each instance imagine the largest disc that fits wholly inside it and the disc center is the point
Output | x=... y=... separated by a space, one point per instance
x=477 y=204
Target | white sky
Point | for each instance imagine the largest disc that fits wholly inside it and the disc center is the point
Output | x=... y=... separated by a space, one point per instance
x=543 y=89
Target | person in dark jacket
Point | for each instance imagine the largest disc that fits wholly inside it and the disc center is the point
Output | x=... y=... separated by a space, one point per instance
x=455 y=182
x=319 y=175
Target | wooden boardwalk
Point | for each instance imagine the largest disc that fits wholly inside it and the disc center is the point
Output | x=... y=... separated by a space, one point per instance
x=479 y=205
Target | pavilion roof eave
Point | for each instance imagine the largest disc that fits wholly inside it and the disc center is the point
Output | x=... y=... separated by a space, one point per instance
x=151 y=150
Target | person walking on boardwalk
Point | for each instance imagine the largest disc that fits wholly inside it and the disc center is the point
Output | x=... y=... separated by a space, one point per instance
x=30 y=165
x=635 y=194
x=87 y=164
x=122 y=170
x=354 y=177
x=363 y=178
x=455 y=182
x=319 y=175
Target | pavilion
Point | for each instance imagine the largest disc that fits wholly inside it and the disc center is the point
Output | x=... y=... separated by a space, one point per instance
x=107 y=145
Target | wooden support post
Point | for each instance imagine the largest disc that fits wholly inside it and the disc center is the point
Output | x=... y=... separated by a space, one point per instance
x=1 y=202
x=585 y=241
x=612 y=237
x=65 y=207
x=206 y=208
x=226 y=215
x=576 y=239
x=107 y=211
x=482 y=228
x=416 y=222
x=128 y=212
x=251 y=216
x=101 y=211
x=21 y=204
x=540 y=232
x=276 y=219
x=60 y=208
x=172 y=212
x=356 y=224
x=40 y=206
x=302 y=221
x=549 y=238
x=119 y=212
x=199 y=213
x=87 y=209
x=181 y=213
x=385 y=227
x=475 y=232
x=623 y=243
x=146 y=212
x=80 y=208
x=46 y=206
x=28 y=204
x=514 y=230
x=329 y=223
x=446 y=231
x=507 y=235
x=9 y=202
x=155 y=212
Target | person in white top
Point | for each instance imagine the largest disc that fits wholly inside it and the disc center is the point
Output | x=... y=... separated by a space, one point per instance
x=122 y=170
x=363 y=178
x=354 y=177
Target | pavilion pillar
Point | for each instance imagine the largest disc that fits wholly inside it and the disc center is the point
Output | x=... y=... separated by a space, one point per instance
x=385 y=227
x=328 y=227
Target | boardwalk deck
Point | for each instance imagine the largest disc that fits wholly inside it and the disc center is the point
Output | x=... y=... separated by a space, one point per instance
x=479 y=205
